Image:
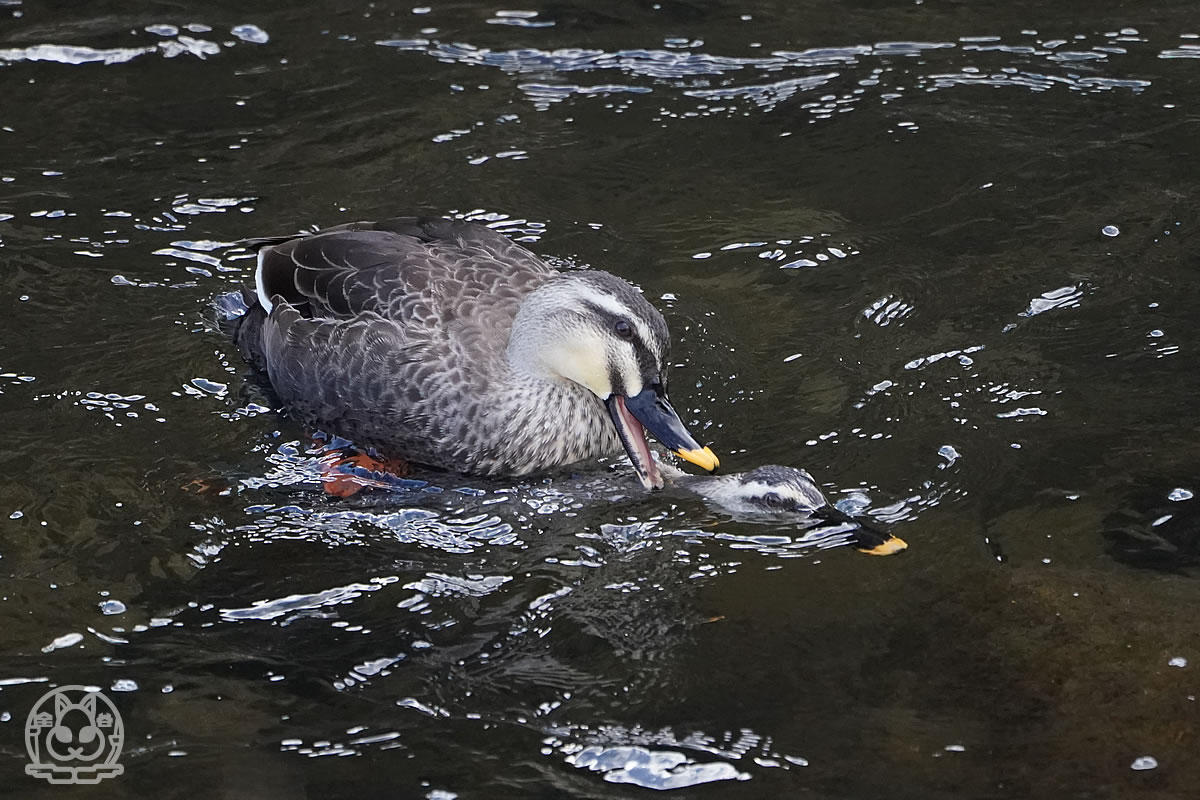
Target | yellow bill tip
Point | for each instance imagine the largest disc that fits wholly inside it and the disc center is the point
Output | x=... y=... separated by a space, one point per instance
x=894 y=544
x=702 y=457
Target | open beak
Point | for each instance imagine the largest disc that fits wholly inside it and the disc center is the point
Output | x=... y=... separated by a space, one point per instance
x=865 y=538
x=650 y=411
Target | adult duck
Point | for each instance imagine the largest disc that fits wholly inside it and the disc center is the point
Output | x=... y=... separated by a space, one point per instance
x=445 y=343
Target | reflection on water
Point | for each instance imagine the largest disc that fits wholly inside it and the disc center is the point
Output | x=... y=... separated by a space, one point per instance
x=940 y=257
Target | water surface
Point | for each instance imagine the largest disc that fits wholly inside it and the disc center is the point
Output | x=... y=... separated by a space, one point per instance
x=942 y=256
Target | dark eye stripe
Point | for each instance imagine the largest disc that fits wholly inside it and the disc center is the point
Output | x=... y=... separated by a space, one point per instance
x=642 y=351
x=612 y=321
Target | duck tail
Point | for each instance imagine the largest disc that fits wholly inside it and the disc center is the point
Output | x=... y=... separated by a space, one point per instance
x=259 y=242
x=240 y=317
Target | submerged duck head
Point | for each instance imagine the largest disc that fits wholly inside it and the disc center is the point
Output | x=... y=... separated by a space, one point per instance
x=596 y=330
x=769 y=489
x=787 y=492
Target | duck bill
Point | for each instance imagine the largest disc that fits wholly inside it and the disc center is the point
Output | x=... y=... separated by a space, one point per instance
x=865 y=538
x=652 y=409
x=633 y=439
x=877 y=544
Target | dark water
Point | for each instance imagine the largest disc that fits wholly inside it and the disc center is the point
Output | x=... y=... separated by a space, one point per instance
x=941 y=254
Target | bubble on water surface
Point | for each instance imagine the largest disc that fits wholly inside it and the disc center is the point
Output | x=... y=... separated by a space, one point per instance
x=64 y=641
x=950 y=454
x=200 y=48
x=207 y=386
x=110 y=607
x=1144 y=763
x=1111 y=230
x=1178 y=495
x=250 y=33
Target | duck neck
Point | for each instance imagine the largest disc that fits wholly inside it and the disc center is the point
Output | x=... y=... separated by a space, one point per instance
x=556 y=417
x=559 y=420
x=721 y=490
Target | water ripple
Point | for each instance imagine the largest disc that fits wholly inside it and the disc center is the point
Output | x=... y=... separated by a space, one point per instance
x=678 y=67
x=175 y=45
x=660 y=759
x=652 y=769
x=73 y=54
x=765 y=95
x=1063 y=297
x=1183 y=51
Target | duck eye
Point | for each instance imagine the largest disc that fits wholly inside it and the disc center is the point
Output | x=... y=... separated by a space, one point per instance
x=773 y=500
x=623 y=329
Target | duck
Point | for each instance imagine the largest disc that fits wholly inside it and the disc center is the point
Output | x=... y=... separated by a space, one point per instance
x=772 y=494
x=786 y=495
x=445 y=343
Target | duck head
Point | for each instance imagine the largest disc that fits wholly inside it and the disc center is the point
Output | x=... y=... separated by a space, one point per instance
x=597 y=330
x=788 y=492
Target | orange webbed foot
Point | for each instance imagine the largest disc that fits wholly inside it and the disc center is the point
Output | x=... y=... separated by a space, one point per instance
x=346 y=475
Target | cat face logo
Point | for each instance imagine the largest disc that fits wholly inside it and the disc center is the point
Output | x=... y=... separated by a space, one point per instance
x=74 y=734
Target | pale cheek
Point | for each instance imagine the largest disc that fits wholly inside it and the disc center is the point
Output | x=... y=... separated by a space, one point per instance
x=583 y=364
x=595 y=377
